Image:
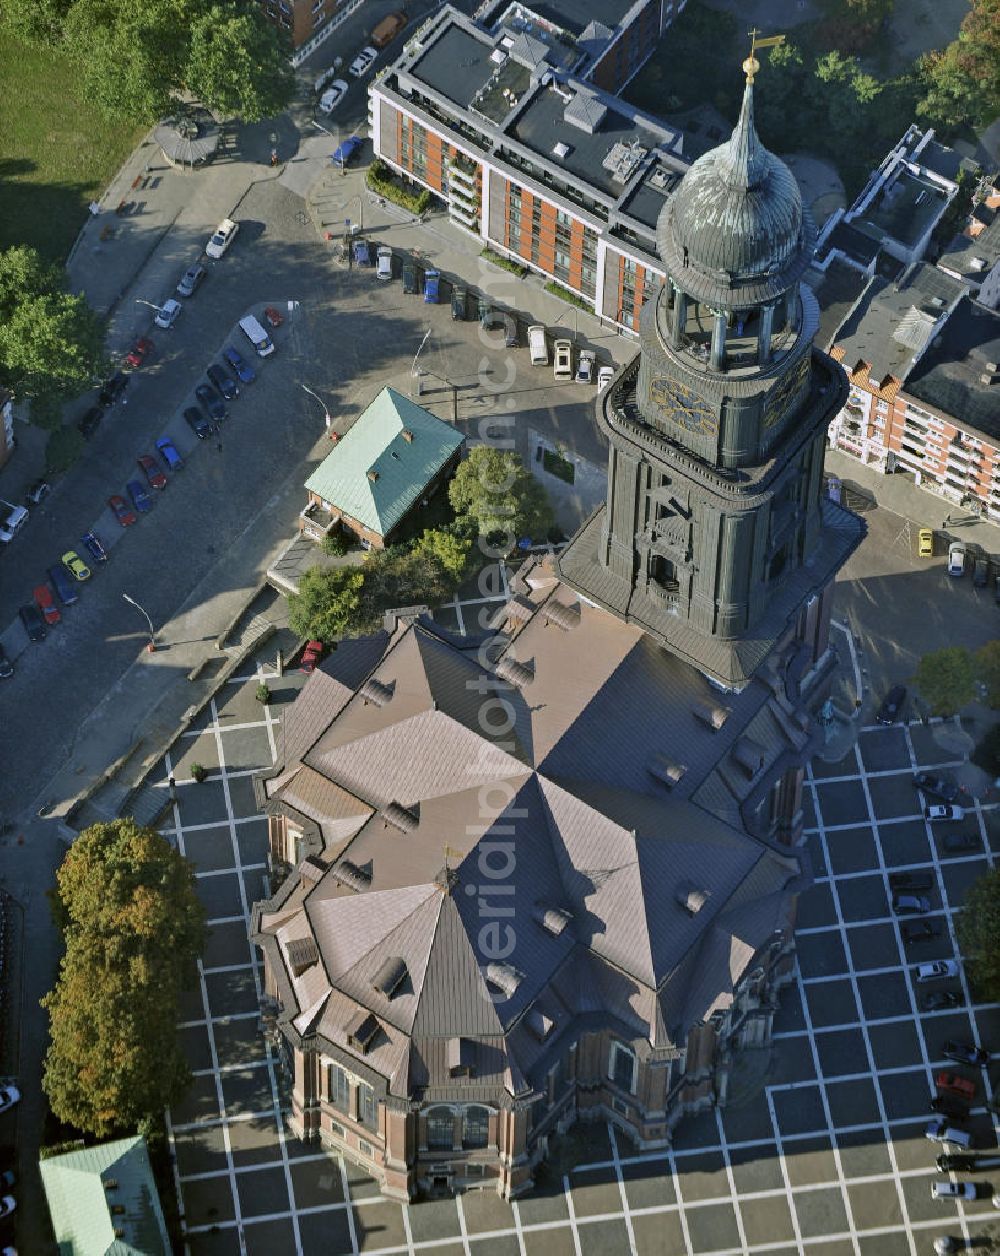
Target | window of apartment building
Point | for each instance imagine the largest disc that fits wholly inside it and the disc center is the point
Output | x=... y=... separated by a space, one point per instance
x=621 y=1067
x=476 y=1128
x=338 y=1087
x=366 y=1104
x=440 y=1128
x=561 y=266
x=882 y=407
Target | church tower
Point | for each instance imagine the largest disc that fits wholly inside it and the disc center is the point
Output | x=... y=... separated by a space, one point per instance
x=716 y=533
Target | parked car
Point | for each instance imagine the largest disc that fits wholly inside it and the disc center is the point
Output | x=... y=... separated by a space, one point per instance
x=956 y=1084
x=211 y=400
x=965 y=1053
x=920 y=930
x=64 y=584
x=936 y=969
x=120 y=509
x=981 y=572
x=944 y=811
x=585 y=366
x=952 y=1107
x=432 y=287
x=911 y=881
x=936 y=786
x=9 y=1095
x=113 y=388
x=910 y=905
x=46 y=603
x=956 y=559
x=411 y=279
x=34 y=626
x=332 y=97
x=6 y=666
x=939 y=1131
x=225 y=234
x=459 y=302
x=562 y=360
x=13 y=521
x=363 y=62
x=197 y=423
x=140 y=498
x=383 y=264
x=959 y=843
x=502 y=321
x=956 y=1164
x=938 y=1000
x=362 y=254
x=7 y=1205
x=166 y=314
x=272 y=316
x=244 y=371
x=191 y=280
x=223 y=381
x=953 y=1190
x=139 y=352
x=94 y=546
x=345 y=152
x=387 y=30
x=90 y=422
x=151 y=470
x=605 y=374
x=37 y=493
x=75 y=565
x=167 y=450
x=311 y=655
x=925 y=543
x=892 y=706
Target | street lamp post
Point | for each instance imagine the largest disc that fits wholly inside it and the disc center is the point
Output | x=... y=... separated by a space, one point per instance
x=152 y=635
x=326 y=413
x=414 y=369
x=319 y=127
x=152 y=304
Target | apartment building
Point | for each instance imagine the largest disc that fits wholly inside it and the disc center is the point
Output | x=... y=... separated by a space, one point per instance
x=543 y=166
x=6 y=425
x=974 y=254
x=307 y=22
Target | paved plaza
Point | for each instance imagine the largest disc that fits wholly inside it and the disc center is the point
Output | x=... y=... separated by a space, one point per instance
x=827 y=1156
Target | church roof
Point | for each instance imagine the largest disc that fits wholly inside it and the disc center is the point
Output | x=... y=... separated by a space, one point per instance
x=736 y=227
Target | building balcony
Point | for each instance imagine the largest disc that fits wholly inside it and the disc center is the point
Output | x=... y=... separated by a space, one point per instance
x=316 y=522
x=467 y=216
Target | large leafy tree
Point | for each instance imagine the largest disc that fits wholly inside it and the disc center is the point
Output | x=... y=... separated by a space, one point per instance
x=946 y=679
x=978 y=930
x=238 y=64
x=133 y=928
x=496 y=490
x=962 y=81
x=326 y=605
x=51 y=342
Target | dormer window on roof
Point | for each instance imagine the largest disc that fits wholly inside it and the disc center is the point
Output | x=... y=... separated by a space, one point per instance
x=712 y=714
x=461 y=1057
x=351 y=875
x=390 y=976
x=690 y=897
x=375 y=692
x=400 y=817
x=566 y=617
x=552 y=919
x=361 y=1032
x=539 y=1024
x=302 y=953
x=504 y=977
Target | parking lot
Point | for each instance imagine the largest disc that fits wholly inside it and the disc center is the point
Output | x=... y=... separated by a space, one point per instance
x=821 y=1149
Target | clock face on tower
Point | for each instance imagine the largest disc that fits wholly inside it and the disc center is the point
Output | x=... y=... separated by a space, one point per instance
x=684 y=406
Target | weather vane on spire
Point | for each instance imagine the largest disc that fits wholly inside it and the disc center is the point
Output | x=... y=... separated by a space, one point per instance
x=751 y=65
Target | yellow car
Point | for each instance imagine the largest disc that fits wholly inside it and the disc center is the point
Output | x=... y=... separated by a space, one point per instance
x=75 y=565
x=925 y=543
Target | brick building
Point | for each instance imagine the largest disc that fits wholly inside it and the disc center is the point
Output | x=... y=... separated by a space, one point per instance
x=543 y=166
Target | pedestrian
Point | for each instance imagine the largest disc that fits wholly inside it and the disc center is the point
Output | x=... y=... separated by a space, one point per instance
x=219 y=446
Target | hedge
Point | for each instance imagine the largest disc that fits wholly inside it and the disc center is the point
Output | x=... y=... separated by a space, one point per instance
x=381 y=180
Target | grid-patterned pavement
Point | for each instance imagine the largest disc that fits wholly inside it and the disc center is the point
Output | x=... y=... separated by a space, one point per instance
x=828 y=1157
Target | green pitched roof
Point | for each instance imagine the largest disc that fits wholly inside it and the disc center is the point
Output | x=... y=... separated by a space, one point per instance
x=80 y=1201
x=402 y=467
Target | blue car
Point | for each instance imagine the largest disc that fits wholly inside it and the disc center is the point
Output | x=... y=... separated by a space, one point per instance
x=432 y=281
x=94 y=546
x=64 y=584
x=362 y=255
x=167 y=450
x=140 y=498
x=243 y=369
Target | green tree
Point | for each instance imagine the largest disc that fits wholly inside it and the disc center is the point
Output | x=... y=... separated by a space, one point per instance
x=133 y=926
x=978 y=931
x=962 y=81
x=40 y=22
x=946 y=679
x=777 y=110
x=494 y=488
x=326 y=605
x=987 y=664
x=446 y=547
x=238 y=64
x=51 y=342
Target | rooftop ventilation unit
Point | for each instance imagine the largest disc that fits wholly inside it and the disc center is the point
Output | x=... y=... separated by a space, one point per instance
x=390 y=976
x=498 y=56
x=691 y=898
x=659 y=178
x=666 y=770
x=361 y=1032
x=562 y=151
x=504 y=977
x=539 y=1024
x=711 y=714
x=552 y=919
x=977 y=264
x=623 y=160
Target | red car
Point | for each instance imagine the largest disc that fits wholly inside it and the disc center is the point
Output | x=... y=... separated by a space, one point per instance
x=121 y=510
x=139 y=351
x=273 y=317
x=151 y=469
x=311 y=655
x=46 y=603
x=955 y=1084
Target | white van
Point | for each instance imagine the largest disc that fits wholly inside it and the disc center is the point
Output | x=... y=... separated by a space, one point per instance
x=536 y=343
x=258 y=337
x=13 y=523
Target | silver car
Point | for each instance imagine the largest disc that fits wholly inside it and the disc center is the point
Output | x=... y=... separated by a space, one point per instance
x=190 y=280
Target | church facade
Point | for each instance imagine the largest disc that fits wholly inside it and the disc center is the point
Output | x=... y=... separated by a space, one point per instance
x=549 y=874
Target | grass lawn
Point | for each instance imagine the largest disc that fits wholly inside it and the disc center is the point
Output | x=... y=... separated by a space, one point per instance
x=57 y=151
